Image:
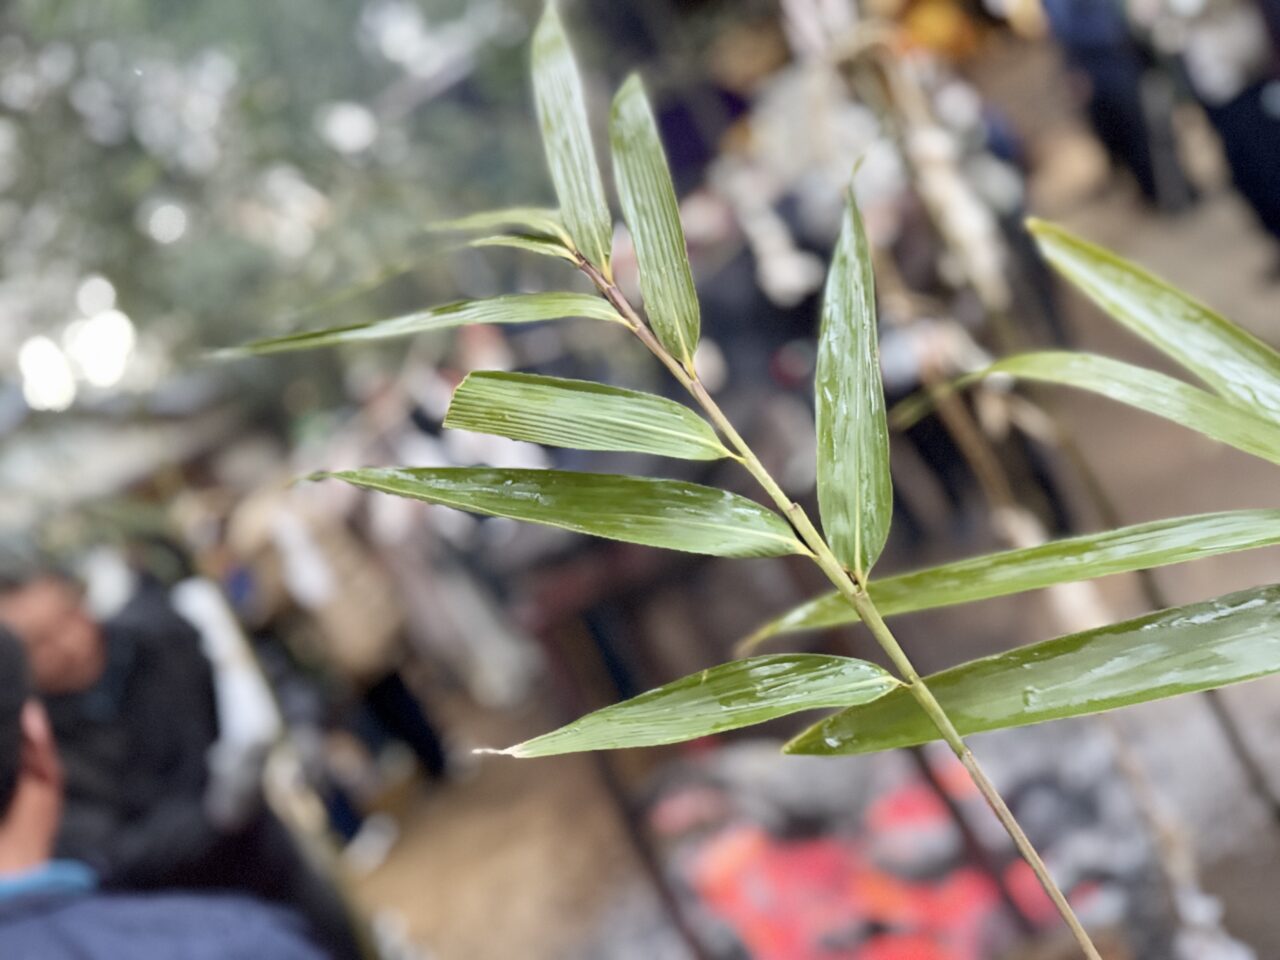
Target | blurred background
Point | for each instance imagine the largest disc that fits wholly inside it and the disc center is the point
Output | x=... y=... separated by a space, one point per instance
x=179 y=176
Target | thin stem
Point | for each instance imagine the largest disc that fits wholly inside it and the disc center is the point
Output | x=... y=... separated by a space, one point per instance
x=854 y=591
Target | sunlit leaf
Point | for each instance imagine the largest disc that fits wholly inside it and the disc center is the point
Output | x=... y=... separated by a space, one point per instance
x=855 y=496
x=1197 y=647
x=513 y=308
x=529 y=244
x=566 y=136
x=538 y=220
x=1152 y=392
x=653 y=217
x=580 y=415
x=1235 y=363
x=1139 y=547
x=656 y=513
x=727 y=697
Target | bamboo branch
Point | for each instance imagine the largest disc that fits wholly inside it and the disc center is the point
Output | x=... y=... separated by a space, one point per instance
x=854 y=591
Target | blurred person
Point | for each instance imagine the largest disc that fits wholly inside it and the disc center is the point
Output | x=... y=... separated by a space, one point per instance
x=1105 y=59
x=132 y=707
x=53 y=910
x=112 y=692
x=1231 y=65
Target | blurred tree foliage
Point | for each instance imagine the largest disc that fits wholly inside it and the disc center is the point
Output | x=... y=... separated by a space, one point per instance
x=223 y=162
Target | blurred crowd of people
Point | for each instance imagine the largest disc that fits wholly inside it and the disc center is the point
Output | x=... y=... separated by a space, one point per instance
x=137 y=731
x=105 y=788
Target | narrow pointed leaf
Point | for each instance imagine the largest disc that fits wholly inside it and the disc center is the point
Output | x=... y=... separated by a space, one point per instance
x=653 y=217
x=580 y=415
x=539 y=220
x=514 y=308
x=855 y=496
x=1184 y=650
x=527 y=243
x=1228 y=358
x=727 y=697
x=1150 y=391
x=566 y=136
x=1138 y=547
x=656 y=513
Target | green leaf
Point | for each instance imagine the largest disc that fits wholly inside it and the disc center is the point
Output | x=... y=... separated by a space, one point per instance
x=653 y=217
x=1233 y=361
x=566 y=136
x=727 y=697
x=513 y=308
x=1197 y=647
x=1139 y=547
x=527 y=243
x=1150 y=391
x=580 y=415
x=655 y=513
x=855 y=495
x=539 y=220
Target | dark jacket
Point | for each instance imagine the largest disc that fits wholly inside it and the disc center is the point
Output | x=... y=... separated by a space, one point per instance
x=134 y=750
x=94 y=926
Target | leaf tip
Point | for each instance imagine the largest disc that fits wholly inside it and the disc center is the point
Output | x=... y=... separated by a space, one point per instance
x=550 y=28
x=1044 y=229
x=800 y=745
x=631 y=87
x=497 y=752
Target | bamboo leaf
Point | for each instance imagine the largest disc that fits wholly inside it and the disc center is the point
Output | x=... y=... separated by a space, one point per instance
x=527 y=243
x=1138 y=547
x=1150 y=391
x=653 y=216
x=855 y=496
x=513 y=308
x=580 y=415
x=1187 y=649
x=727 y=697
x=566 y=136
x=656 y=513
x=539 y=220
x=1228 y=358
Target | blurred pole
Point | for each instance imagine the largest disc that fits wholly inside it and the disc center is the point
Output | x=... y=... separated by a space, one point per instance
x=566 y=680
x=1250 y=764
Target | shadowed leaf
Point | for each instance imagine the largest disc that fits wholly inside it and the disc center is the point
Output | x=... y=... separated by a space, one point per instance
x=513 y=308
x=538 y=220
x=529 y=244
